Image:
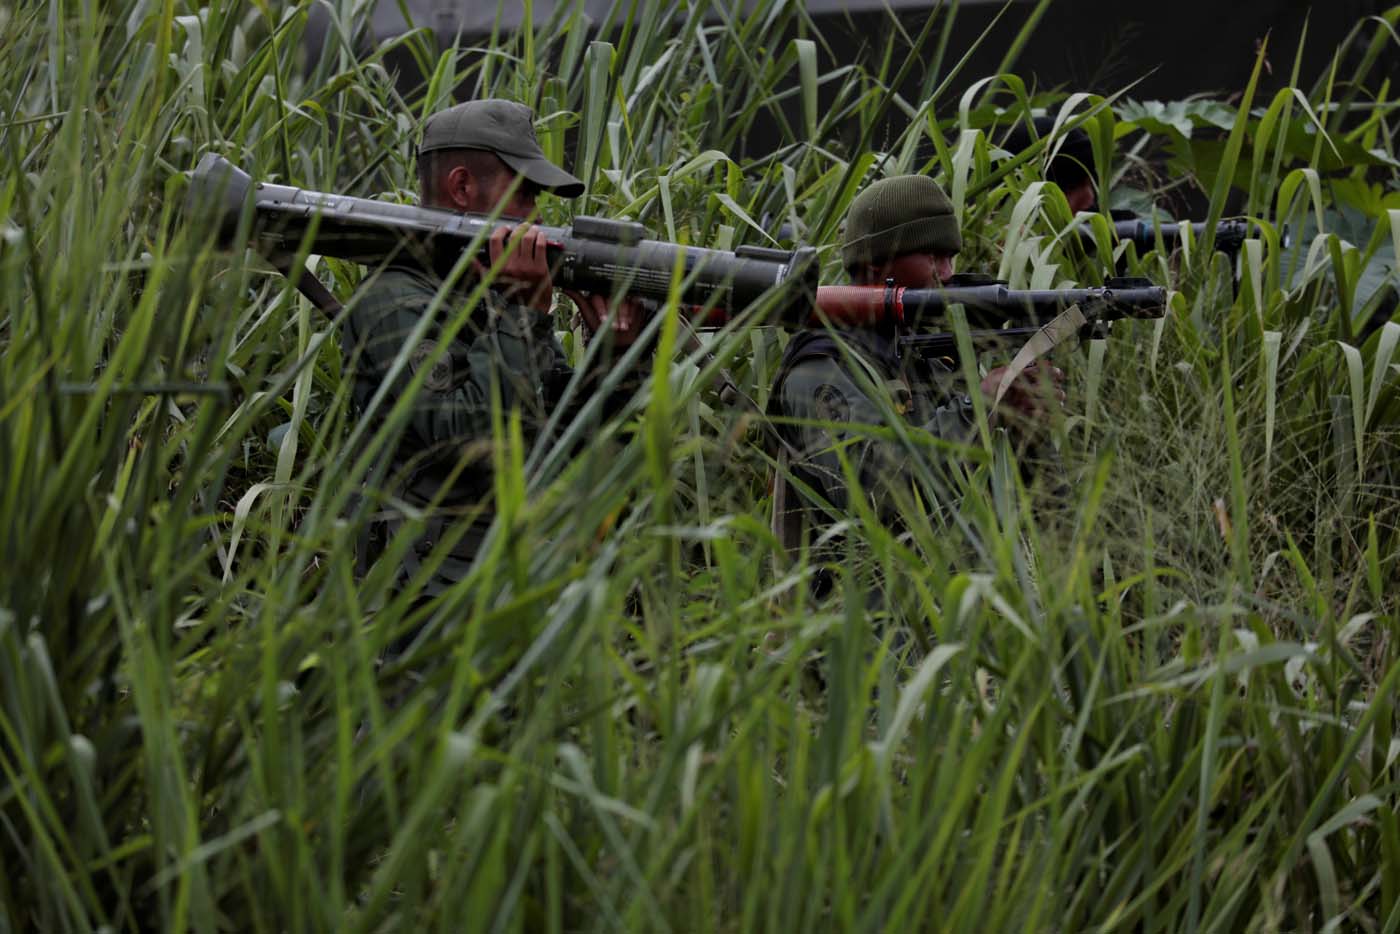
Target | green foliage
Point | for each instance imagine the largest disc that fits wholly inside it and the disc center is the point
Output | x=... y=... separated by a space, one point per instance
x=1164 y=700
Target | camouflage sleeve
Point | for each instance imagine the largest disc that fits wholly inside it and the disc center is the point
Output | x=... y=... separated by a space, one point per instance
x=516 y=350
x=822 y=391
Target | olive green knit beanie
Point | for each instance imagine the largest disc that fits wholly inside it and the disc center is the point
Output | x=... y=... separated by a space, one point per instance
x=904 y=214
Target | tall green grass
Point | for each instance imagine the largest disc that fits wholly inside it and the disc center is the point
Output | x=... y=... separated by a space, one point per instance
x=1165 y=701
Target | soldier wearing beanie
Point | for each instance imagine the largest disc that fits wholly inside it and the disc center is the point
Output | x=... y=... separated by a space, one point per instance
x=901 y=220
x=478 y=157
x=901 y=231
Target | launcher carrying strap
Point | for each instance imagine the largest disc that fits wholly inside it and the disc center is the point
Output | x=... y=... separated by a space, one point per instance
x=312 y=288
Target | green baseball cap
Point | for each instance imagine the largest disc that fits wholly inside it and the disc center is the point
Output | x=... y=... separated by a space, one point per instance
x=505 y=128
x=904 y=214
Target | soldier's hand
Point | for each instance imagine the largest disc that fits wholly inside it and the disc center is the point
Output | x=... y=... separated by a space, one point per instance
x=1034 y=395
x=524 y=275
x=624 y=325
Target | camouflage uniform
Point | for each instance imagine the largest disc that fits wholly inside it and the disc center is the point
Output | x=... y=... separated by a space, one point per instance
x=816 y=383
x=510 y=347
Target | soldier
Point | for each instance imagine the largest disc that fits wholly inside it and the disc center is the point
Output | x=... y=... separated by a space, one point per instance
x=899 y=231
x=1072 y=165
x=476 y=157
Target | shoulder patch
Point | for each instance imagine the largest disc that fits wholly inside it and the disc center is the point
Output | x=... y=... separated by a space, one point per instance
x=831 y=404
x=439 y=378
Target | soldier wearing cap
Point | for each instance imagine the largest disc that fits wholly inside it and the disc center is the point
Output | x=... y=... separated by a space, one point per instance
x=899 y=231
x=477 y=157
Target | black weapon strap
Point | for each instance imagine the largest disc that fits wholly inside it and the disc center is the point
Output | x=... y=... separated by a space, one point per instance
x=311 y=287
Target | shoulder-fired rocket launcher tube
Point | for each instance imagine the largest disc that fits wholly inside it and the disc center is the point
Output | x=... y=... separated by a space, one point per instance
x=987 y=305
x=1229 y=234
x=600 y=255
x=594 y=254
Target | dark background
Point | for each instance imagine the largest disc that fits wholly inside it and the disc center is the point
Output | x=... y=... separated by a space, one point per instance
x=1176 y=48
x=1172 y=50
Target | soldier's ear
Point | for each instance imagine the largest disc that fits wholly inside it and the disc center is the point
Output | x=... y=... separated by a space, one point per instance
x=460 y=188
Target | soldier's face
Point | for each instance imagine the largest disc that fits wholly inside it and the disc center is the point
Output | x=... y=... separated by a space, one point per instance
x=520 y=202
x=482 y=193
x=917 y=270
x=1081 y=197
